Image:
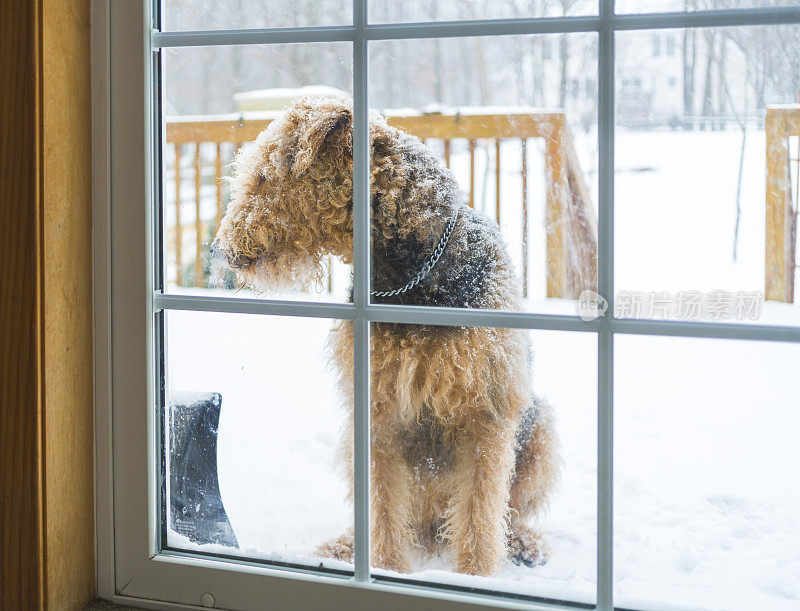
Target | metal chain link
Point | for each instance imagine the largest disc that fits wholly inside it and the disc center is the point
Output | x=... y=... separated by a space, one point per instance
x=429 y=264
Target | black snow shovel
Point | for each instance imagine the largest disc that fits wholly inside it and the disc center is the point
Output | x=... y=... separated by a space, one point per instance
x=196 y=508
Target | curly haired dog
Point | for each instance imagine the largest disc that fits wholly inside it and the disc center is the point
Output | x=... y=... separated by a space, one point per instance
x=462 y=453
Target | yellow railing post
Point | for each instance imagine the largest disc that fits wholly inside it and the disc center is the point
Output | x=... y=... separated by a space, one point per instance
x=581 y=225
x=472 y=173
x=178 y=224
x=781 y=123
x=557 y=194
x=218 y=185
x=524 y=153
x=571 y=221
x=198 y=222
x=497 y=178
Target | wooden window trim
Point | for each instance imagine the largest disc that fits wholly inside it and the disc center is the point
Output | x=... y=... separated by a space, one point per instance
x=46 y=357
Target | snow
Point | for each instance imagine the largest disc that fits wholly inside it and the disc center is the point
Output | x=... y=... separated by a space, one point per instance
x=707 y=432
x=706 y=481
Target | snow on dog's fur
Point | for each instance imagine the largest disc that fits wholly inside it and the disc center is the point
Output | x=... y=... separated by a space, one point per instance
x=463 y=455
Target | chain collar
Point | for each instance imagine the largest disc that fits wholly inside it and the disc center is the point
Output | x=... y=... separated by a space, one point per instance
x=429 y=264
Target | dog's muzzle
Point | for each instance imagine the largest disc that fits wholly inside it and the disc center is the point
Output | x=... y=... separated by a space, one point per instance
x=233 y=261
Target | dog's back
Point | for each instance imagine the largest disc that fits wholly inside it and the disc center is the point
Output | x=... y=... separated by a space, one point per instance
x=474 y=270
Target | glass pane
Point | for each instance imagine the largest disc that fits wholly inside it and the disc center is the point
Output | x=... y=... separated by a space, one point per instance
x=462 y=442
x=241 y=14
x=491 y=130
x=217 y=101
x=706 y=491
x=657 y=6
x=706 y=174
x=386 y=11
x=251 y=420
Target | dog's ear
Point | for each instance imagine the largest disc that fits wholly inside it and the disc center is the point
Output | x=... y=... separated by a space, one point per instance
x=330 y=125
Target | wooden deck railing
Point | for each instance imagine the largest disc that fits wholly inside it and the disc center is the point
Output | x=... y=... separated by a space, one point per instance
x=571 y=224
x=782 y=122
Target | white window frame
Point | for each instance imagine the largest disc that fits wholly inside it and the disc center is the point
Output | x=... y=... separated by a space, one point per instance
x=131 y=568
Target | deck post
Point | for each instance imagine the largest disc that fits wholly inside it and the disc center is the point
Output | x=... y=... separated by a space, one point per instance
x=198 y=222
x=178 y=223
x=557 y=193
x=780 y=221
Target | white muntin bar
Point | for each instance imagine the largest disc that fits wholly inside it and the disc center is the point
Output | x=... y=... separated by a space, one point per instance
x=206 y=38
x=455 y=317
x=478 y=27
x=707 y=330
x=483 y=27
x=605 y=471
x=361 y=284
x=376 y=313
x=346 y=33
x=605 y=346
x=238 y=305
x=477 y=318
x=706 y=19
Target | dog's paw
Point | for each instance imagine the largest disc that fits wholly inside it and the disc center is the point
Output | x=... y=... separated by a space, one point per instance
x=526 y=548
x=341 y=548
x=390 y=562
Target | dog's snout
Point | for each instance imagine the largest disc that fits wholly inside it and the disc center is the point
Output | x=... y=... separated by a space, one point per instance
x=234 y=261
x=239 y=261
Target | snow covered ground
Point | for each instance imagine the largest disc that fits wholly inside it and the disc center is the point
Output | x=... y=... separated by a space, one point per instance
x=280 y=424
x=707 y=432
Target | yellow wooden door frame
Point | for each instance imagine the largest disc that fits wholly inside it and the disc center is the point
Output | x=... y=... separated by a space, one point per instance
x=46 y=360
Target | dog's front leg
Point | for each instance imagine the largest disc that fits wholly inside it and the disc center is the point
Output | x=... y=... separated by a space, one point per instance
x=477 y=521
x=391 y=535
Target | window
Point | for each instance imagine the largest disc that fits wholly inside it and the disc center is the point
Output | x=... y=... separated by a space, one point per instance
x=547 y=50
x=635 y=221
x=670 y=44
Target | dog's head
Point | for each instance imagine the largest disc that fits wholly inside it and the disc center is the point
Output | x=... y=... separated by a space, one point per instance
x=291 y=197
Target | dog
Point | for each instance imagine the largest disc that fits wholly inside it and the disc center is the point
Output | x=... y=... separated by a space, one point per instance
x=463 y=455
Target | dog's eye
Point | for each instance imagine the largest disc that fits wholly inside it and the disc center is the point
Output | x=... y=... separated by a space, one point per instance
x=261 y=179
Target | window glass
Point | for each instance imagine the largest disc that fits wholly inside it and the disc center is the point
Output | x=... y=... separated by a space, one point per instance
x=251 y=436
x=511 y=136
x=217 y=101
x=706 y=175
x=382 y=11
x=441 y=467
x=657 y=6
x=236 y=14
x=705 y=487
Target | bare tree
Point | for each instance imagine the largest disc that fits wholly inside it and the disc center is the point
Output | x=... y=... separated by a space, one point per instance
x=708 y=88
x=722 y=98
x=689 y=61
